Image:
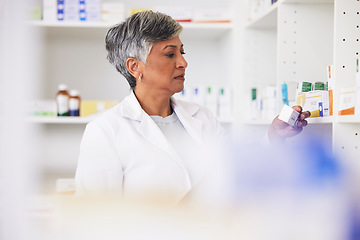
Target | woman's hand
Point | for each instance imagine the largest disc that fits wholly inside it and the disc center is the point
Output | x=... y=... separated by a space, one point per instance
x=280 y=130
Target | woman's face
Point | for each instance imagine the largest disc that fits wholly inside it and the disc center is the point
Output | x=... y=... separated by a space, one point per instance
x=164 y=70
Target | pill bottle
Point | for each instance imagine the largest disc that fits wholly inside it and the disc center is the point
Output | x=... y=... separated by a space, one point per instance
x=62 y=101
x=74 y=103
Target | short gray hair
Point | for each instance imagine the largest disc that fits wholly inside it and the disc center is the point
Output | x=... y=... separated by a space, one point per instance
x=135 y=37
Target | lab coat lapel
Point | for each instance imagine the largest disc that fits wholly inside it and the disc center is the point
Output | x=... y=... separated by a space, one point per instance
x=185 y=113
x=147 y=127
x=152 y=133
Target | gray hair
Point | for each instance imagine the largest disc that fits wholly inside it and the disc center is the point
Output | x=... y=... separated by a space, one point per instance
x=135 y=37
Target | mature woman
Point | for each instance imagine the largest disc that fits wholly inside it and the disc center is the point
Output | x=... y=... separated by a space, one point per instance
x=150 y=145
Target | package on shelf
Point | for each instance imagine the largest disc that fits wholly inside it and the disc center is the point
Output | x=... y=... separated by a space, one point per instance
x=76 y=10
x=291 y=86
x=217 y=99
x=211 y=99
x=135 y=10
x=225 y=103
x=197 y=95
x=318 y=86
x=285 y=93
x=113 y=12
x=90 y=10
x=316 y=102
x=347 y=100
x=49 y=10
x=301 y=89
x=268 y=100
x=179 y=13
x=263 y=103
x=68 y=10
x=42 y=108
x=254 y=104
x=213 y=14
x=34 y=12
x=183 y=95
x=89 y=107
x=330 y=83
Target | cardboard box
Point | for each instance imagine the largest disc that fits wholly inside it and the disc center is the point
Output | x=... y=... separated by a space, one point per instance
x=317 y=102
x=347 y=100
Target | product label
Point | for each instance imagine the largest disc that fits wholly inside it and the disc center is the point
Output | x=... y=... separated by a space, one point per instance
x=74 y=107
x=74 y=104
x=62 y=105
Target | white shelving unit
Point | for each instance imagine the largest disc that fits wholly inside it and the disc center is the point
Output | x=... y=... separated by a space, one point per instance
x=294 y=41
x=74 y=54
x=70 y=32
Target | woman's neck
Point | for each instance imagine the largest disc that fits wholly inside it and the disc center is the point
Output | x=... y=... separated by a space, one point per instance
x=154 y=104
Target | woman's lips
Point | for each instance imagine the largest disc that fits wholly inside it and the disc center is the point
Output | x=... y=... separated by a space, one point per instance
x=180 y=77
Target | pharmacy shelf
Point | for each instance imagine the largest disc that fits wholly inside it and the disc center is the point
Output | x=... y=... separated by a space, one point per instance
x=268 y=18
x=313 y=120
x=58 y=24
x=195 y=30
x=320 y=120
x=348 y=119
x=81 y=120
x=61 y=120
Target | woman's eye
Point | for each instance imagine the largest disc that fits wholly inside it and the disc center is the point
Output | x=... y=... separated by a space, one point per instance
x=171 y=55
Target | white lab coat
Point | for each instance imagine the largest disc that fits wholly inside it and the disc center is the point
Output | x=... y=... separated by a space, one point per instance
x=123 y=152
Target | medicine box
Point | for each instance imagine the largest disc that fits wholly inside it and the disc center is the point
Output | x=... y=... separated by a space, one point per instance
x=289 y=115
x=347 y=100
x=316 y=102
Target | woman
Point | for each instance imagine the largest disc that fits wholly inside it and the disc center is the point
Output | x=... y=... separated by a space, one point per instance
x=150 y=145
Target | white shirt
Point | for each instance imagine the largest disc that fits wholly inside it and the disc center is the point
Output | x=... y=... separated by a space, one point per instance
x=182 y=143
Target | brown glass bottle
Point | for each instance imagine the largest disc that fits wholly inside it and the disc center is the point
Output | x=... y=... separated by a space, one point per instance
x=62 y=101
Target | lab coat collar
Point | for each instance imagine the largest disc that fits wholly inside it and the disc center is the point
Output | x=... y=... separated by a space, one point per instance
x=131 y=109
x=184 y=110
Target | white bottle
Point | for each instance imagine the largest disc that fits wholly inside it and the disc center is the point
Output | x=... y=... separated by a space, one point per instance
x=62 y=101
x=74 y=103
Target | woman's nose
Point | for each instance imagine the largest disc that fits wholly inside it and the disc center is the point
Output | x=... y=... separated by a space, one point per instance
x=182 y=63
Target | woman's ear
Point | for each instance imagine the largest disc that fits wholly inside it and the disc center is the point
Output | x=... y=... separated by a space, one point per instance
x=133 y=66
